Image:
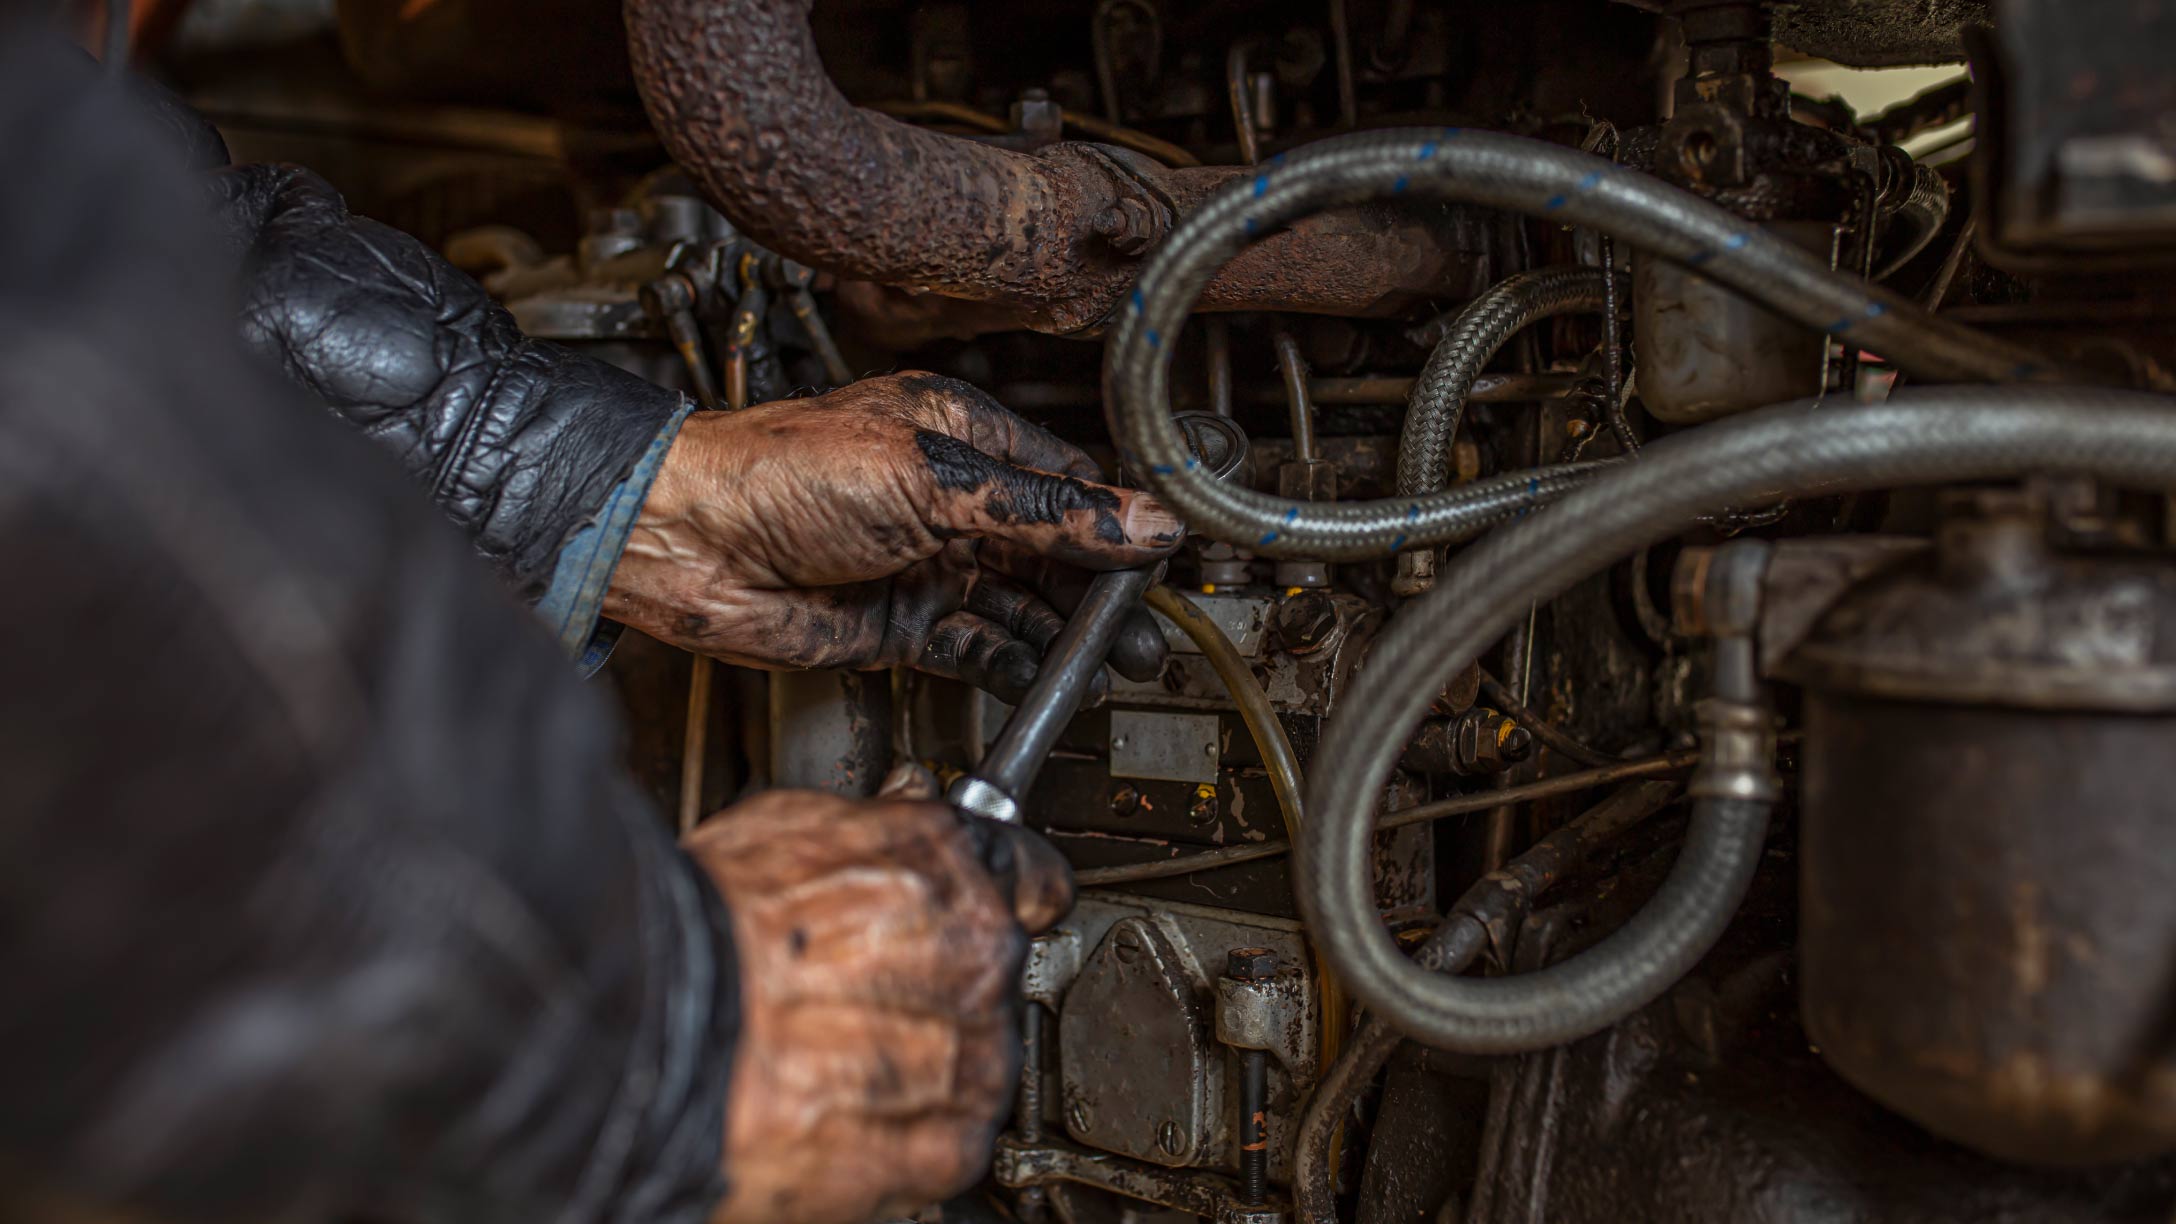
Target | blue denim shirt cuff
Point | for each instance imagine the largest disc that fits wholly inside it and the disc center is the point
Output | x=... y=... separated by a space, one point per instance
x=573 y=603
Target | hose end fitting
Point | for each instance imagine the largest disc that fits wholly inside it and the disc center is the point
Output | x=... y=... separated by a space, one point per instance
x=1737 y=731
x=1737 y=752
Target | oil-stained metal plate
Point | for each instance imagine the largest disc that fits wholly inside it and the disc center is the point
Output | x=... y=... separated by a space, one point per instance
x=1243 y=618
x=1166 y=747
x=1136 y=1054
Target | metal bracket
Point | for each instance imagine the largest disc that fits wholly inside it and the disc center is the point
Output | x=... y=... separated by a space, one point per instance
x=1209 y=1195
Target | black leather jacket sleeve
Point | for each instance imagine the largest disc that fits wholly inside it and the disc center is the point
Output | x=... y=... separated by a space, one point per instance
x=322 y=893
x=521 y=442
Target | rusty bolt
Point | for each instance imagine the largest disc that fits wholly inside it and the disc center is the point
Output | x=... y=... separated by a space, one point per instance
x=1251 y=964
x=1125 y=800
x=1128 y=226
x=1485 y=741
x=1079 y=1116
x=1169 y=1138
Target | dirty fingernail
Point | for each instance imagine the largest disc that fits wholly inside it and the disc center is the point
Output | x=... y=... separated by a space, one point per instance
x=1149 y=521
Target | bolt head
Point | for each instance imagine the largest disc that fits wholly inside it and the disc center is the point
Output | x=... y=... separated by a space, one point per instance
x=1517 y=743
x=1251 y=964
x=1128 y=225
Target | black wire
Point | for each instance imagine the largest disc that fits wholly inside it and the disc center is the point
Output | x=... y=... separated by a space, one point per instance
x=1613 y=354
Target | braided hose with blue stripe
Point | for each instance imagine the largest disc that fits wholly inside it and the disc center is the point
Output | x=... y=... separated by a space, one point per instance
x=1455 y=165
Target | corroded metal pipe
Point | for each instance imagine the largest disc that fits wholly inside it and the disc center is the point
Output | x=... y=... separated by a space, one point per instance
x=742 y=102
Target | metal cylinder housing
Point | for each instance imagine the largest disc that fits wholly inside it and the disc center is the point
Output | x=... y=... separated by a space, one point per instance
x=1987 y=907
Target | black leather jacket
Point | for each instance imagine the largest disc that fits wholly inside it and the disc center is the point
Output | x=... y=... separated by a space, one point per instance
x=522 y=443
x=322 y=892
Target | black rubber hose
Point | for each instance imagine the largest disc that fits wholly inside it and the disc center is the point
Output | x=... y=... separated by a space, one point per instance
x=1438 y=399
x=1937 y=435
x=1483 y=913
x=1488 y=168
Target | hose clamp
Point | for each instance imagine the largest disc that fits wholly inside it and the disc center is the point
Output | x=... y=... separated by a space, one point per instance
x=1737 y=753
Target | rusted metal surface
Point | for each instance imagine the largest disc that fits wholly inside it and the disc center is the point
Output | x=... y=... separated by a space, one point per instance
x=741 y=100
x=1711 y=1104
x=1996 y=617
x=1804 y=580
x=1988 y=908
x=1989 y=917
x=1196 y=1193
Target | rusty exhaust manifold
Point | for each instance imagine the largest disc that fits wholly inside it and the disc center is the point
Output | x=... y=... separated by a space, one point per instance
x=1050 y=239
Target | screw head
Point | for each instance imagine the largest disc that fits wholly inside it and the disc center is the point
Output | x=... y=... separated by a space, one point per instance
x=1078 y=1115
x=1127 y=944
x=1125 y=800
x=1169 y=1139
x=1251 y=964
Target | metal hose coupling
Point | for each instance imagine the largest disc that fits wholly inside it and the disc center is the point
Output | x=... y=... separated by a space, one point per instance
x=1737 y=752
x=1737 y=729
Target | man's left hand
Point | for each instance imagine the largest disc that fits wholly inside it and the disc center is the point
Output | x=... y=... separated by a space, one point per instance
x=902 y=520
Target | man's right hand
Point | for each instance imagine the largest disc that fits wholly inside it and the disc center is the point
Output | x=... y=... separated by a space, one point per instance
x=880 y=965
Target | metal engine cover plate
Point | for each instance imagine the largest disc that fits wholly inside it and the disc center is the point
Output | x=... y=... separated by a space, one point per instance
x=1136 y=1042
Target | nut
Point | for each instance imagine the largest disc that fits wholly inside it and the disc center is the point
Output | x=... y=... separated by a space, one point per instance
x=1251 y=964
x=1128 y=225
x=1485 y=741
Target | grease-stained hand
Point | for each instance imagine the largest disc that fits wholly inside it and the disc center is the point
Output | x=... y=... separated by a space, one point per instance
x=879 y=964
x=908 y=519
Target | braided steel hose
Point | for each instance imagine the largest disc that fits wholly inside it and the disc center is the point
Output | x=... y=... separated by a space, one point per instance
x=1940 y=435
x=1447 y=165
x=1438 y=400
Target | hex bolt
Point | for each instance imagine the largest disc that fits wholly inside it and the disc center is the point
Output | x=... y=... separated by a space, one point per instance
x=1485 y=742
x=1251 y=964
